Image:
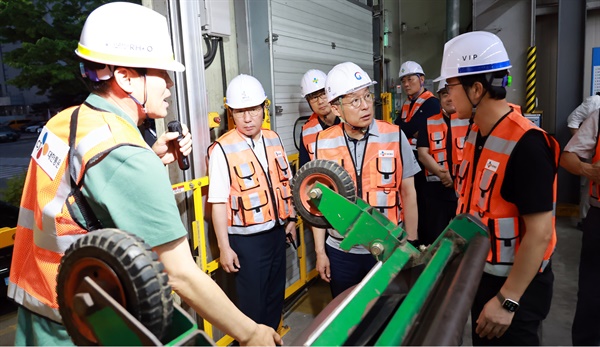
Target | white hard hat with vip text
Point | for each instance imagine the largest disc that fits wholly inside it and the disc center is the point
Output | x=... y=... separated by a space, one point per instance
x=244 y=91
x=473 y=53
x=312 y=81
x=128 y=35
x=410 y=68
x=346 y=78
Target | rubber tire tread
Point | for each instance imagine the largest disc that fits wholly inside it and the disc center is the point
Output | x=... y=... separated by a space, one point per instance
x=142 y=275
x=340 y=177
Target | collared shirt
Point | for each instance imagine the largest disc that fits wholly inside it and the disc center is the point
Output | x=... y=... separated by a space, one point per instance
x=583 y=143
x=582 y=112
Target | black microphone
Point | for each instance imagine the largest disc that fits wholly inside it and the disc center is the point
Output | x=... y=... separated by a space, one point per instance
x=182 y=160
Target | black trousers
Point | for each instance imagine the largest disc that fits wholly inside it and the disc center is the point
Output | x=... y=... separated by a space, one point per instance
x=347 y=269
x=437 y=215
x=260 y=283
x=534 y=307
x=586 y=324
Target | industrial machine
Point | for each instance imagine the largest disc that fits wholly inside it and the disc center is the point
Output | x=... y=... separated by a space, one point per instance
x=411 y=296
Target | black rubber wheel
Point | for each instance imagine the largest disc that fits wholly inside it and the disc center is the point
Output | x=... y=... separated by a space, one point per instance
x=328 y=173
x=127 y=269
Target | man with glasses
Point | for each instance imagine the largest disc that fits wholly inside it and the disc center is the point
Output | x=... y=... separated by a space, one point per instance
x=378 y=157
x=252 y=210
x=313 y=90
x=507 y=179
x=420 y=104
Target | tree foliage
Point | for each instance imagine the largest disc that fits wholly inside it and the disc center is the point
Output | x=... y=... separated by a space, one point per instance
x=48 y=32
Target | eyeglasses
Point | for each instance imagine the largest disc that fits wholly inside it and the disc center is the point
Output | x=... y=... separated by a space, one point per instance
x=314 y=97
x=357 y=101
x=252 y=111
x=452 y=85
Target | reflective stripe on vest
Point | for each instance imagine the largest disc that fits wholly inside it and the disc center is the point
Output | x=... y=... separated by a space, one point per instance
x=481 y=194
x=406 y=115
x=309 y=134
x=381 y=172
x=45 y=227
x=250 y=203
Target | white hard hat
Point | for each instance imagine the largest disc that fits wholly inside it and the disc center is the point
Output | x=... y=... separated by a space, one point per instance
x=473 y=53
x=346 y=78
x=410 y=68
x=312 y=81
x=129 y=35
x=441 y=85
x=244 y=91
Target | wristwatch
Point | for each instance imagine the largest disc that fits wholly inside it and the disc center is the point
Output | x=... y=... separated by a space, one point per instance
x=507 y=304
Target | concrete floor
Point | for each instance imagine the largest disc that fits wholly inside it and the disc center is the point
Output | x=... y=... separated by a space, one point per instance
x=556 y=329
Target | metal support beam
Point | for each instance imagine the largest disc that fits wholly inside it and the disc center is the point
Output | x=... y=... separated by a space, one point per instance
x=571 y=43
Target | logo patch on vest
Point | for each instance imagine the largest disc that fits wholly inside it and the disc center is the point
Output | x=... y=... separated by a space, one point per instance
x=278 y=154
x=386 y=153
x=492 y=165
x=49 y=152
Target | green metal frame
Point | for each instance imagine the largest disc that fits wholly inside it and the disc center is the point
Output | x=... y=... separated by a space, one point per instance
x=361 y=224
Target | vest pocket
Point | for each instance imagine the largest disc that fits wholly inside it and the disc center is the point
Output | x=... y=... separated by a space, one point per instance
x=486 y=185
x=250 y=209
x=461 y=178
x=437 y=140
x=383 y=172
x=505 y=240
x=284 y=203
x=283 y=168
x=245 y=174
x=385 y=201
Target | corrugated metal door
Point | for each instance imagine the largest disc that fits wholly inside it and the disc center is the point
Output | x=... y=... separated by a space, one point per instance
x=312 y=35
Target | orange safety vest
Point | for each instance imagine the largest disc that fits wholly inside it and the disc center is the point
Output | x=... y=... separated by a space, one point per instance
x=46 y=227
x=309 y=134
x=407 y=113
x=381 y=174
x=257 y=202
x=437 y=132
x=481 y=196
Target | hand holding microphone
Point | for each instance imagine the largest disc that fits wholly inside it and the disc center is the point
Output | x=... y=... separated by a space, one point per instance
x=182 y=160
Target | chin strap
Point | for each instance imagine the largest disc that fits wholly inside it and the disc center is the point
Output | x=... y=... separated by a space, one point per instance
x=142 y=105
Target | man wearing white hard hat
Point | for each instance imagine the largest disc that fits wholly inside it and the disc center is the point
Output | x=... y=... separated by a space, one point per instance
x=252 y=209
x=380 y=161
x=92 y=169
x=312 y=87
x=419 y=105
x=507 y=179
x=440 y=144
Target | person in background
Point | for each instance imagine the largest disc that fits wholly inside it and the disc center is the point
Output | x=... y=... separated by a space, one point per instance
x=507 y=180
x=440 y=145
x=378 y=157
x=419 y=105
x=252 y=209
x=312 y=86
x=590 y=105
x=119 y=177
x=581 y=156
